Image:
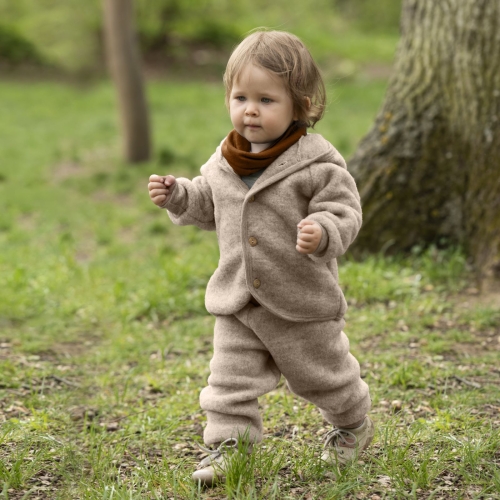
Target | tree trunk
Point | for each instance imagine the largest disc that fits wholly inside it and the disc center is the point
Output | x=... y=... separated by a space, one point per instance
x=429 y=169
x=124 y=63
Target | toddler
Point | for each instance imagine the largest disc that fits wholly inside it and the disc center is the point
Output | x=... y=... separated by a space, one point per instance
x=284 y=208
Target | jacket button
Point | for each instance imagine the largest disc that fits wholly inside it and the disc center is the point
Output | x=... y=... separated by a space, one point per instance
x=252 y=198
x=256 y=283
x=252 y=241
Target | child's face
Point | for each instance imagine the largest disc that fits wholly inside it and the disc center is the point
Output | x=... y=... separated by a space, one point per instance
x=260 y=107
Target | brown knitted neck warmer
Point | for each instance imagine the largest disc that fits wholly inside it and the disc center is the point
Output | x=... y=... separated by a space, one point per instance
x=236 y=150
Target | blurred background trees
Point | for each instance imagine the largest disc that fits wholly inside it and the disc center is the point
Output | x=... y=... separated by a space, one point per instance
x=68 y=34
x=125 y=67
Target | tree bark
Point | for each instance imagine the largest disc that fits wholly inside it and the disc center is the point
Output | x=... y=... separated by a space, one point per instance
x=429 y=169
x=124 y=64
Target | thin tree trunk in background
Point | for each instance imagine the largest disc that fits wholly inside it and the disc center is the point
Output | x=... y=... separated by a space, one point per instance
x=429 y=169
x=124 y=64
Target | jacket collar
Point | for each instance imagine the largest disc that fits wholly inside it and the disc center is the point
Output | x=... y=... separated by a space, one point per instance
x=309 y=149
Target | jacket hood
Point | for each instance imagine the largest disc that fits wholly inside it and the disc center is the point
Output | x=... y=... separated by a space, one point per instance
x=318 y=149
x=309 y=149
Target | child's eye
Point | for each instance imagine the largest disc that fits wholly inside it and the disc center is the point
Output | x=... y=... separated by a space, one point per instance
x=240 y=98
x=266 y=100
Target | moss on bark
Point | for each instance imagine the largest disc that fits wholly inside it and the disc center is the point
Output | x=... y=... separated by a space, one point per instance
x=429 y=169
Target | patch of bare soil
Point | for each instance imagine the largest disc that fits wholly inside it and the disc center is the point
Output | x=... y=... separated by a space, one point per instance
x=121 y=199
x=489 y=297
x=71 y=349
x=66 y=170
x=27 y=222
x=54 y=366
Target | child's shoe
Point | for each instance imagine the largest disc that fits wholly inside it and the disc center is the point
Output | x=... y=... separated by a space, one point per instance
x=344 y=445
x=212 y=469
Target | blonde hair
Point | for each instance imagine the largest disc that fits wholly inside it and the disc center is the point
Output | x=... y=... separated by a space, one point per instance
x=285 y=55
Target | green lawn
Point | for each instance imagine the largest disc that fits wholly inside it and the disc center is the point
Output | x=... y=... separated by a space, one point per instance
x=105 y=342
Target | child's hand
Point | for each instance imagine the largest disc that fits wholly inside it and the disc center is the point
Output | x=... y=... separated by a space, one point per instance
x=160 y=188
x=309 y=236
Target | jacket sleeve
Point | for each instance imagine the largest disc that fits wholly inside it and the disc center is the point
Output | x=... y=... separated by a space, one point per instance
x=191 y=203
x=335 y=205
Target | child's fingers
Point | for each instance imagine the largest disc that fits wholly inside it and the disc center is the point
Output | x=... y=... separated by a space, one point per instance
x=305 y=222
x=305 y=237
x=159 y=200
x=307 y=230
x=306 y=245
x=307 y=226
x=303 y=249
x=156 y=178
x=169 y=180
x=156 y=185
x=158 y=192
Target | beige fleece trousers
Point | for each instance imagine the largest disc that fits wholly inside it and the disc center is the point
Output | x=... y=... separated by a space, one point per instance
x=253 y=347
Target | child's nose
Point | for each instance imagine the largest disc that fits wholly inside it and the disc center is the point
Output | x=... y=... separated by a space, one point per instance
x=251 y=109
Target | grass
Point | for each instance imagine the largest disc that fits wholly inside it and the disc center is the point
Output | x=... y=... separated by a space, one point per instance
x=105 y=342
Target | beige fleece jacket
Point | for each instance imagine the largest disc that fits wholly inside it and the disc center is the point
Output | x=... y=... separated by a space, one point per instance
x=257 y=230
